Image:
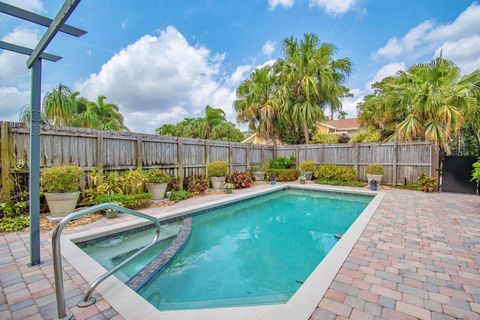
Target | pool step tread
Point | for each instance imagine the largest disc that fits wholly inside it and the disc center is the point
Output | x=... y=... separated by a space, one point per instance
x=159 y=263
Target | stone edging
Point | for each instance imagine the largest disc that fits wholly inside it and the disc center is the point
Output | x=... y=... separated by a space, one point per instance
x=159 y=263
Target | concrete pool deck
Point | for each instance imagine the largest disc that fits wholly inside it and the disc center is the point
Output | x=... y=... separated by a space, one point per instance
x=418 y=257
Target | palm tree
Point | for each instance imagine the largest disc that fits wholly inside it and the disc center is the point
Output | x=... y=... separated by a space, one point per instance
x=257 y=103
x=57 y=105
x=436 y=98
x=310 y=79
x=105 y=116
x=213 y=117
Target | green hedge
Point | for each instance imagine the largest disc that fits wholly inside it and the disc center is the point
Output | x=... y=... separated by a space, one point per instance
x=283 y=175
x=333 y=172
x=131 y=201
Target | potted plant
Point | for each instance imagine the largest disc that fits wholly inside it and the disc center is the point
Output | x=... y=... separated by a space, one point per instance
x=373 y=184
x=217 y=171
x=156 y=182
x=258 y=172
x=61 y=186
x=112 y=213
x=374 y=171
x=307 y=168
x=273 y=178
x=302 y=179
x=229 y=187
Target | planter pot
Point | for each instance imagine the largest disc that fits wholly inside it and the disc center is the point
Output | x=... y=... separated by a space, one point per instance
x=228 y=191
x=111 y=213
x=61 y=204
x=217 y=182
x=308 y=174
x=259 y=175
x=377 y=177
x=157 y=190
x=273 y=180
x=373 y=188
x=303 y=181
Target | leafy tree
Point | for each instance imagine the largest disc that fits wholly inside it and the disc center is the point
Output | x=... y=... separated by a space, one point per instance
x=57 y=105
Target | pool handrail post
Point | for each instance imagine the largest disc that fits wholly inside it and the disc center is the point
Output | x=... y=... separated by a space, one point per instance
x=57 y=255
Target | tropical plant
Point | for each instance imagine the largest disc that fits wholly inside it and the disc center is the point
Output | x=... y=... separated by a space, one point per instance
x=61 y=179
x=324 y=138
x=374 y=169
x=257 y=103
x=425 y=183
x=179 y=195
x=197 y=185
x=310 y=80
x=366 y=136
x=157 y=176
x=281 y=163
x=333 y=172
x=240 y=179
x=476 y=171
x=283 y=175
x=57 y=105
x=131 y=201
x=308 y=166
x=217 y=169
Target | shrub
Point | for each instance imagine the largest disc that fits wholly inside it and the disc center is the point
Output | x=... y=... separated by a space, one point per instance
x=425 y=183
x=283 y=175
x=261 y=167
x=365 y=136
x=334 y=172
x=240 y=179
x=476 y=171
x=324 y=138
x=16 y=207
x=376 y=169
x=13 y=224
x=174 y=185
x=308 y=166
x=131 y=201
x=217 y=169
x=157 y=176
x=132 y=181
x=281 y=163
x=61 y=179
x=197 y=185
x=179 y=195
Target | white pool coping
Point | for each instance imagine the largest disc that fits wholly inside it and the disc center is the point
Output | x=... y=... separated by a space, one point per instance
x=301 y=305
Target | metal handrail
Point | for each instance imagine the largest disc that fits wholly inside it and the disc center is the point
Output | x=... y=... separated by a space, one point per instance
x=57 y=258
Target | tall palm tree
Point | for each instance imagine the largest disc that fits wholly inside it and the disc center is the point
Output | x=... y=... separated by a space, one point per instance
x=213 y=117
x=436 y=98
x=257 y=103
x=108 y=114
x=310 y=80
x=57 y=105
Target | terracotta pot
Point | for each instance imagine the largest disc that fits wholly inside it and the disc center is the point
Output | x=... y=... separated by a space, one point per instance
x=217 y=182
x=61 y=204
x=308 y=174
x=157 y=190
x=377 y=177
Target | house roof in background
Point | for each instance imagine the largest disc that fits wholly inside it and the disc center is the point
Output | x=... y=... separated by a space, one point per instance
x=353 y=123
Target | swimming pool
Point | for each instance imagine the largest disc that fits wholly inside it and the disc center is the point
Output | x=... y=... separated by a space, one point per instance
x=258 y=251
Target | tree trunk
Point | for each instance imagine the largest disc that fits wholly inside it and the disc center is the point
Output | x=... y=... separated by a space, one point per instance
x=306 y=133
x=477 y=135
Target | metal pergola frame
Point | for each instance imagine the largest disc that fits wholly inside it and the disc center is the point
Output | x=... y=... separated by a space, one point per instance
x=34 y=62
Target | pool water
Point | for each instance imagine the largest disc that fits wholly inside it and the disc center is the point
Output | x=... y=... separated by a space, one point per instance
x=257 y=251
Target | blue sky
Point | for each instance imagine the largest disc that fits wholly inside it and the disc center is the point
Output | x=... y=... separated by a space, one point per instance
x=164 y=60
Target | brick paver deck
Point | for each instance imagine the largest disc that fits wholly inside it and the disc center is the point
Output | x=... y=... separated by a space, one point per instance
x=418 y=258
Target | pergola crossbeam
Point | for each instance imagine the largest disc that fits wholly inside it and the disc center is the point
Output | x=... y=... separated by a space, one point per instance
x=38 y=19
x=27 y=51
x=57 y=22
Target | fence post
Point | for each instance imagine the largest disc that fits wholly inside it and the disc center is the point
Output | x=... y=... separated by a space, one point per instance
x=395 y=163
x=207 y=155
x=230 y=158
x=435 y=164
x=139 y=151
x=99 y=149
x=356 y=158
x=297 y=156
x=247 y=156
x=180 y=162
x=262 y=157
x=5 y=154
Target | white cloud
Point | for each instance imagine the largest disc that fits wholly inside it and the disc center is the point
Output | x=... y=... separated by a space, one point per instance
x=429 y=35
x=268 y=48
x=349 y=105
x=160 y=79
x=334 y=7
x=11 y=101
x=240 y=74
x=272 y=4
x=13 y=65
x=385 y=71
x=465 y=52
x=31 y=5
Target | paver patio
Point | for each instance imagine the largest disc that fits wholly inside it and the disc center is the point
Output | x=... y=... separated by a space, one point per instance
x=418 y=258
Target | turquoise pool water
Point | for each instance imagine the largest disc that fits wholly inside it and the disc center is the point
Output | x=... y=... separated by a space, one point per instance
x=258 y=251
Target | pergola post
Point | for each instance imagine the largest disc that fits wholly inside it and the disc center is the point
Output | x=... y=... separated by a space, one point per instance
x=34 y=172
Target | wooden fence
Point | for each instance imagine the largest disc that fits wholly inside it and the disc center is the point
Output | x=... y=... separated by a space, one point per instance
x=183 y=157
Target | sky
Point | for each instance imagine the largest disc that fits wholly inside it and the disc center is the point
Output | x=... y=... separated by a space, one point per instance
x=161 y=61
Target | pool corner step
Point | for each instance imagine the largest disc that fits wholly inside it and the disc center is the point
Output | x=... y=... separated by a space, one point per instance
x=157 y=265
